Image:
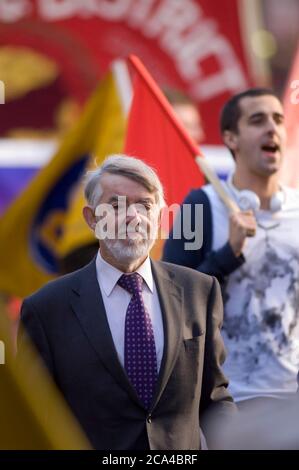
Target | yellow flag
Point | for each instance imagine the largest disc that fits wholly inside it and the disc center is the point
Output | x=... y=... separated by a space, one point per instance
x=33 y=413
x=45 y=222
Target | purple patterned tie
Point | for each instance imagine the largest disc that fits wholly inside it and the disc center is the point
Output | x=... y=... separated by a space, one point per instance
x=140 y=350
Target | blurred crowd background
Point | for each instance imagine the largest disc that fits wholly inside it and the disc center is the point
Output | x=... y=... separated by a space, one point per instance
x=53 y=56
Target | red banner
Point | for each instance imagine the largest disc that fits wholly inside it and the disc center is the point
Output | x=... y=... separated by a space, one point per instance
x=192 y=45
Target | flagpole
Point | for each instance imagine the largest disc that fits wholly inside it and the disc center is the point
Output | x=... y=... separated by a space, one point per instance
x=216 y=183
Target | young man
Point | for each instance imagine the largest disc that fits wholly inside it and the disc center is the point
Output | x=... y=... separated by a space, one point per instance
x=254 y=253
x=134 y=345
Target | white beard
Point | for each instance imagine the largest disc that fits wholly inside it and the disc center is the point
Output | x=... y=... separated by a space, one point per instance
x=130 y=249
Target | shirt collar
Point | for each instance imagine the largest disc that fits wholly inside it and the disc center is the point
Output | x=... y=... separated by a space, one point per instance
x=108 y=275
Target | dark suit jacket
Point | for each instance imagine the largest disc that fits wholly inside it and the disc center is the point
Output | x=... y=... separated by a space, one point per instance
x=67 y=322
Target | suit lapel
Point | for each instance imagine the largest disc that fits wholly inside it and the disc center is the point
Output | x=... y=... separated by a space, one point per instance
x=171 y=303
x=88 y=306
x=87 y=303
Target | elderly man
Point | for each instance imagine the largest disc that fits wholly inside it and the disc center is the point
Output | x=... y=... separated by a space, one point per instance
x=134 y=345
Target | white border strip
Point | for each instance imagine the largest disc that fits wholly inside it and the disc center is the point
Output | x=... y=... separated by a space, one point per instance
x=123 y=83
x=26 y=152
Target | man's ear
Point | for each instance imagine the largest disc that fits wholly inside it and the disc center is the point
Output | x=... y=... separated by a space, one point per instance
x=230 y=139
x=89 y=217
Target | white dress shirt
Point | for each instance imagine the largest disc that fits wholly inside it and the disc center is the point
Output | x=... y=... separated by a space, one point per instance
x=116 y=301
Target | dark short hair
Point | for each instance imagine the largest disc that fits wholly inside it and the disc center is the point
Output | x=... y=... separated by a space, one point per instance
x=231 y=111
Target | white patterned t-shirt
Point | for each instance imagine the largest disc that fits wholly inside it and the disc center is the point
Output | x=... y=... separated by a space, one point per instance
x=261 y=303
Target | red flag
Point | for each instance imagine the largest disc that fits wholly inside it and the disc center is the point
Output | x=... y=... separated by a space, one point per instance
x=290 y=169
x=156 y=136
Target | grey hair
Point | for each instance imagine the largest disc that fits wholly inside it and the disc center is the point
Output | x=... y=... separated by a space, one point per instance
x=123 y=165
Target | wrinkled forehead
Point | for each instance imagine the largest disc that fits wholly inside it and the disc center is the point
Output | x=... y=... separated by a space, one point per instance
x=264 y=104
x=114 y=186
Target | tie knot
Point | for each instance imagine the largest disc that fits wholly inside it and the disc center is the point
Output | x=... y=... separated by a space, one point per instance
x=131 y=282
